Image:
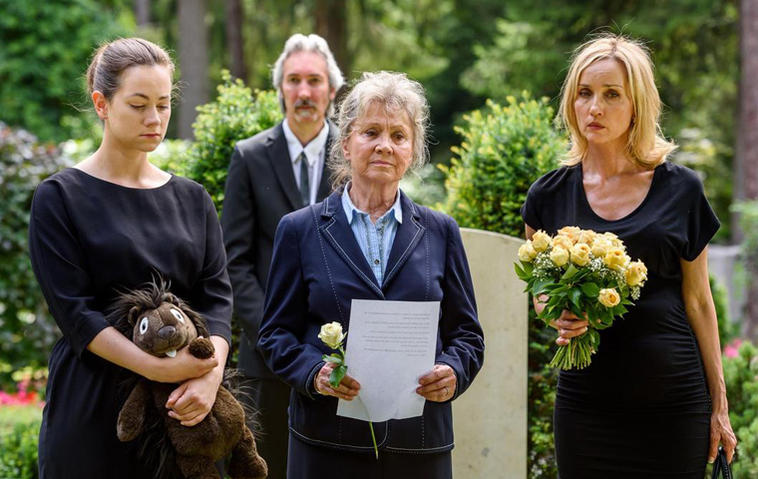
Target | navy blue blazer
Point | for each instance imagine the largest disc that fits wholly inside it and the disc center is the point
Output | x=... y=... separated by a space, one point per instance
x=317 y=269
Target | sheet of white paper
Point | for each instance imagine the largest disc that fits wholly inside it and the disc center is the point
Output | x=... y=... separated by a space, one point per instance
x=390 y=345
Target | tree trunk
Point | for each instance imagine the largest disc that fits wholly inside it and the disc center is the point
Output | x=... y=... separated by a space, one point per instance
x=331 y=21
x=142 y=12
x=746 y=167
x=193 y=62
x=234 y=41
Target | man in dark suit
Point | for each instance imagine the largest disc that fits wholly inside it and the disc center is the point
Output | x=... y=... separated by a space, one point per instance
x=271 y=174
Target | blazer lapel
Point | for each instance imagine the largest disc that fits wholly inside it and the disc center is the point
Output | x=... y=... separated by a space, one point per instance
x=408 y=234
x=340 y=236
x=324 y=187
x=279 y=157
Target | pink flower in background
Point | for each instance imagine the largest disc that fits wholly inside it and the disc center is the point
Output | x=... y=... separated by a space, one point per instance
x=21 y=398
x=732 y=349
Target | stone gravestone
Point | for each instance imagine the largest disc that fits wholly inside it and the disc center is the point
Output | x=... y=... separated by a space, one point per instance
x=490 y=417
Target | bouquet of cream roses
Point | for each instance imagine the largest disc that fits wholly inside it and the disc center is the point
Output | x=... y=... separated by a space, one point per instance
x=585 y=272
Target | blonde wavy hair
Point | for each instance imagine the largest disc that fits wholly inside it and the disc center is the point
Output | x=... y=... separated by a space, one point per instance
x=645 y=144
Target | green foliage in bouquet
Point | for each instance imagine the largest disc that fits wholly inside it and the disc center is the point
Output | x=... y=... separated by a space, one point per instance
x=741 y=378
x=586 y=273
x=28 y=332
x=505 y=149
x=236 y=114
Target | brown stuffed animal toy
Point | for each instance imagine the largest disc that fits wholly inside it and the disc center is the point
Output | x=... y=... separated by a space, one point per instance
x=160 y=324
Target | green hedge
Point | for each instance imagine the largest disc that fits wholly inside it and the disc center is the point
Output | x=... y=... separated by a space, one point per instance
x=28 y=332
x=741 y=377
x=19 y=431
x=46 y=47
x=236 y=114
x=504 y=150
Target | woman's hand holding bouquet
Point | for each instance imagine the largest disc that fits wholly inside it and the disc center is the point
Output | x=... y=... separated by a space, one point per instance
x=586 y=273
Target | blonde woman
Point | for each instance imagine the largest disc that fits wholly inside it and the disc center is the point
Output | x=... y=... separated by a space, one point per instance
x=653 y=402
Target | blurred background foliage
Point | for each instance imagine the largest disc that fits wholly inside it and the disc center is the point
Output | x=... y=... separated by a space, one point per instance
x=463 y=52
x=492 y=72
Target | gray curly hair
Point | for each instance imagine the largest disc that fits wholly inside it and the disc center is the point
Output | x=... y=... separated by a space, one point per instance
x=310 y=43
x=394 y=91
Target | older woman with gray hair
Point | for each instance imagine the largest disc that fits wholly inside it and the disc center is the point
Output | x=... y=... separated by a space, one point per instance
x=369 y=241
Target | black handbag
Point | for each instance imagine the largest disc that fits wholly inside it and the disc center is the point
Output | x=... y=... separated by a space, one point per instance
x=721 y=466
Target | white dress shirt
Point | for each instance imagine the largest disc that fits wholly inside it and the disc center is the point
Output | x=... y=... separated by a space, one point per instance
x=315 y=154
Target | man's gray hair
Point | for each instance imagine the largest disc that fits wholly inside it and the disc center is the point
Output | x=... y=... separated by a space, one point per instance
x=302 y=43
x=393 y=91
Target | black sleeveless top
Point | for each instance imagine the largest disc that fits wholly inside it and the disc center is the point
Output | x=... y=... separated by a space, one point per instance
x=648 y=360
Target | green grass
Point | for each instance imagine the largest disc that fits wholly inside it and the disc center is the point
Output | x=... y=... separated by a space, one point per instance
x=19 y=430
x=12 y=415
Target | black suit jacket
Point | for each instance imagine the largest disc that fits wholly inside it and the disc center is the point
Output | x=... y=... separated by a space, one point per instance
x=260 y=189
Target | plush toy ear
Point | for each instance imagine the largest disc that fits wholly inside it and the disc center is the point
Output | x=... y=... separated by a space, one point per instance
x=132 y=313
x=171 y=298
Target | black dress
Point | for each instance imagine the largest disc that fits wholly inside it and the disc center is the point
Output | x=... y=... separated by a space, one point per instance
x=89 y=238
x=642 y=408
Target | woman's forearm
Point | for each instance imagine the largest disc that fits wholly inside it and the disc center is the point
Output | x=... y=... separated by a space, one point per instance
x=701 y=314
x=702 y=318
x=113 y=346
x=222 y=352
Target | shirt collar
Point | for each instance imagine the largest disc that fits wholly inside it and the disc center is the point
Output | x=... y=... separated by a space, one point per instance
x=312 y=150
x=350 y=209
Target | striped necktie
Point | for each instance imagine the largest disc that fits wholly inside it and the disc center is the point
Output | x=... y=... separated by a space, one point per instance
x=305 y=183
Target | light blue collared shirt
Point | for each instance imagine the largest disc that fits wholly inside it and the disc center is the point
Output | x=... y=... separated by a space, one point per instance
x=375 y=240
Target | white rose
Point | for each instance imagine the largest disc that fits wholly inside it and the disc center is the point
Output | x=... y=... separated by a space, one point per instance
x=331 y=334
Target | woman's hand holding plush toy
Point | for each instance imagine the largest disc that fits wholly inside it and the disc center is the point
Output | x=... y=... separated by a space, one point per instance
x=193 y=400
x=116 y=348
